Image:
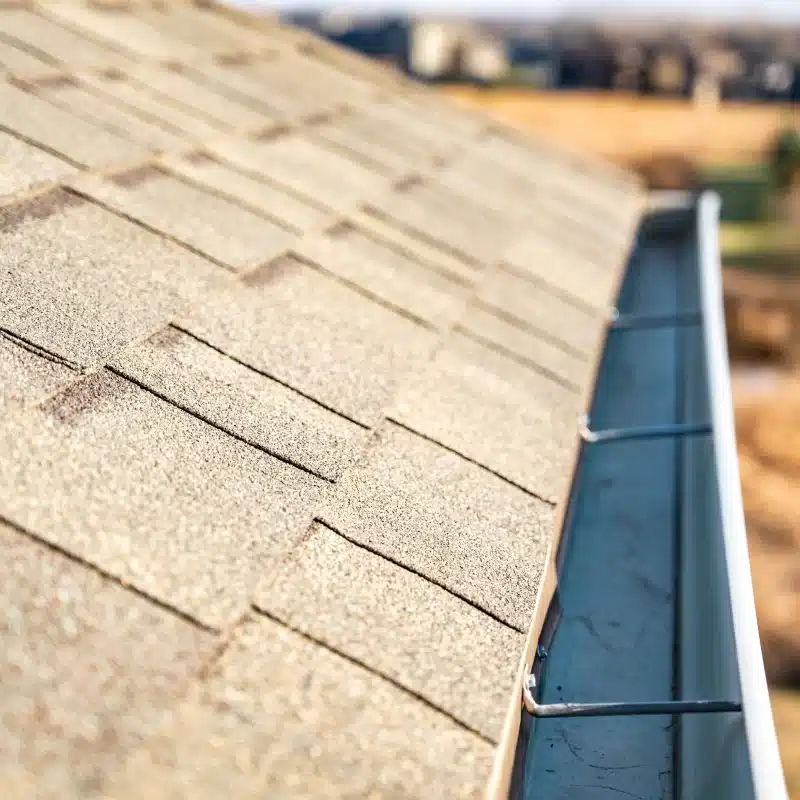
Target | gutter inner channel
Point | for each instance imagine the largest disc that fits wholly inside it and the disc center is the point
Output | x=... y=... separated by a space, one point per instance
x=618 y=565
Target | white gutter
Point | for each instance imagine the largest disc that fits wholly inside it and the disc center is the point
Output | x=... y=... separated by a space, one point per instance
x=762 y=743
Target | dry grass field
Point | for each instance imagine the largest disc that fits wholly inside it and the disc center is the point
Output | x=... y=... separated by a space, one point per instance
x=632 y=129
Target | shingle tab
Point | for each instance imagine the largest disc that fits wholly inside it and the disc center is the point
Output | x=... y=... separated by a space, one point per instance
x=448 y=519
x=307 y=167
x=84 y=296
x=152 y=495
x=313 y=333
x=217 y=227
x=532 y=421
x=529 y=304
x=18 y=60
x=284 y=717
x=278 y=203
x=535 y=351
x=104 y=111
x=398 y=624
x=26 y=377
x=387 y=273
x=260 y=410
x=86 y=670
x=58 y=130
x=25 y=165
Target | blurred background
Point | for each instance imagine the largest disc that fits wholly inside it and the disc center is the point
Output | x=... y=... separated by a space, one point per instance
x=699 y=94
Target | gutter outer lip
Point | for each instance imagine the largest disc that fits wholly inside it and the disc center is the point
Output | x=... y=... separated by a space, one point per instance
x=762 y=744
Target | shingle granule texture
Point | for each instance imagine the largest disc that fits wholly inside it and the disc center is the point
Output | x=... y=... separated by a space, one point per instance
x=522 y=429
x=217 y=227
x=247 y=404
x=26 y=377
x=81 y=282
x=86 y=669
x=256 y=730
x=151 y=494
x=324 y=339
x=446 y=518
x=25 y=165
x=292 y=355
x=292 y=211
x=397 y=623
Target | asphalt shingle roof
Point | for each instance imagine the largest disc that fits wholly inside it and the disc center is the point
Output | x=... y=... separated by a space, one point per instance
x=291 y=355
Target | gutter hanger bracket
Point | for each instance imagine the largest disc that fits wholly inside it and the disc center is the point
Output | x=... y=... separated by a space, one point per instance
x=642 y=432
x=632 y=322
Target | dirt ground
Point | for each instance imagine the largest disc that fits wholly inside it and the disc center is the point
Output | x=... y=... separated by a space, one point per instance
x=631 y=129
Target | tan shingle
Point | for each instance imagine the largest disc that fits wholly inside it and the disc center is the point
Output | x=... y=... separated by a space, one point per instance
x=283 y=717
x=25 y=165
x=26 y=376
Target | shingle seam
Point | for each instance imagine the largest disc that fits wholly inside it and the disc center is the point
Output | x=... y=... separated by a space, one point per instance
x=108 y=576
x=362 y=290
x=265 y=374
x=38 y=350
x=376 y=552
x=42 y=146
x=546 y=286
x=223 y=428
x=372 y=671
x=29 y=48
x=355 y=155
x=525 y=362
x=88 y=197
x=432 y=241
x=540 y=333
x=410 y=429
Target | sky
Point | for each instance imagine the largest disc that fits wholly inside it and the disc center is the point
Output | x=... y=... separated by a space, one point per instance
x=760 y=10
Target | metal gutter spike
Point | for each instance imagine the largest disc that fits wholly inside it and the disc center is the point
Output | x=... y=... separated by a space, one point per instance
x=642 y=432
x=633 y=322
x=668 y=707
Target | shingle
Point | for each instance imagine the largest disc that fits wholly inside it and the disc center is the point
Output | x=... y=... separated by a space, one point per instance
x=521 y=427
x=532 y=350
x=445 y=217
x=152 y=495
x=545 y=312
x=25 y=165
x=398 y=624
x=57 y=41
x=80 y=282
x=387 y=273
x=260 y=728
x=26 y=377
x=107 y=113
x=310 y=331
x=58 y=130
x=446 y=518
x=179 y=87
x=188 y=122
x=213 y=225
x=86 y=670
x=18 y=60
x=122 y=31
x=576 y=277
x=258 y=193
x=263 y=412
x=307 y=167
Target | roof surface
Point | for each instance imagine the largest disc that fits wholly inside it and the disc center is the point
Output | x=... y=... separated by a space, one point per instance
x=291 y=354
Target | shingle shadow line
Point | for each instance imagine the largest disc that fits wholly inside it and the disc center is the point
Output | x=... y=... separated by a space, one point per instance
x=42 y=146
x=518 y=322
x=108 y=576
x=372 y=671
x=178 y=327
x=38 y=350
x=395 y=421
x=426 y=578
x=89 y=198
x=525 y=362
x=224 y=429
x=548 y=287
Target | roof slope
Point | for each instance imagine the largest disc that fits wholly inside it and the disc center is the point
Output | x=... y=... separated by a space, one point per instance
x=290 y=358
